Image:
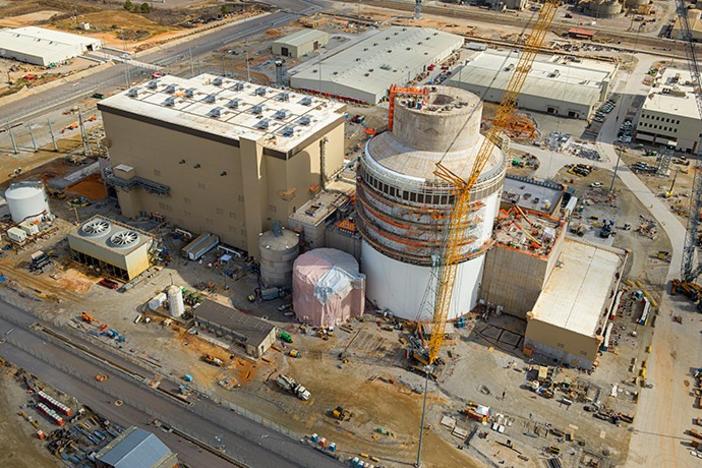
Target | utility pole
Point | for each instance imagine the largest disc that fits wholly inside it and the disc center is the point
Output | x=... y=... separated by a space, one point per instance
x=31 y=135
x=12 y=139
x=246 y=57
x=86 y=147
x=51 y=132
x=616 y=168
x=190 y=52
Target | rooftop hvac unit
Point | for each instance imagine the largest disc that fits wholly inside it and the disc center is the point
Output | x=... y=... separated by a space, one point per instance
x=288 y=131
x=284 y=97
x=190 y=92
x=124 y=238
x=152 y=84
x=306 y=101
x=217 y=81
x=262 y=124
x=210 y=98
x=238 y=86
x=385 y=67
x=233 y=104
x=134 y=92
x=280 y=114
x=304 y=120
x=261 y=91
x=170 y=89
x=216 y=112
x=554 y=74
x=96 y=227
x=257 y=109
x=169 y=102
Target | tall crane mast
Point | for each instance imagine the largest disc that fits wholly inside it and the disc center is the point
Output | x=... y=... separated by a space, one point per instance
x=455 y=235
x=690 y=270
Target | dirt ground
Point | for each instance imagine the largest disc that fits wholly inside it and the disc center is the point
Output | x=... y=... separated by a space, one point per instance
x=27 y=19
x=19 y=448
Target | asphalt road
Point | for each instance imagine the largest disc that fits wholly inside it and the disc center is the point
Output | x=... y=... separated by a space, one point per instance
x=118 y=74
x=73 y=372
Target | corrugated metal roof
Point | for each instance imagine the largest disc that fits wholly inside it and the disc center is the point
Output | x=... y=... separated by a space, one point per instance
x=58 y=36
x=302 y=37
x=253 y=330
x=135 y=448
x=26 y=45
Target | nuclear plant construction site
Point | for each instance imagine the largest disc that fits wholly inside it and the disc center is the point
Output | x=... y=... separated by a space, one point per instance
x=373 y=235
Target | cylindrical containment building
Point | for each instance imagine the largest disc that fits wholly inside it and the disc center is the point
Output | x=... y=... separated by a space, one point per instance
x=279 y=249
x=403 y=208
x=175 y=301
x=27 y=201
x=327 y=288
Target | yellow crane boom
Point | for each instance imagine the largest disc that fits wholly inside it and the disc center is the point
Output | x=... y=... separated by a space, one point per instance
x=456 y=232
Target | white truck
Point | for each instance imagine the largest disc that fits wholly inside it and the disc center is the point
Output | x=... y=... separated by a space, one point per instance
x=290 y=385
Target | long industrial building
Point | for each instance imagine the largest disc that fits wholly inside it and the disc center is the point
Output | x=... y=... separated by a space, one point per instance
x=669 y=115
x=212 y=154
x=563 y=86
x=41 y=46
x=402 y=206
x=365 y=70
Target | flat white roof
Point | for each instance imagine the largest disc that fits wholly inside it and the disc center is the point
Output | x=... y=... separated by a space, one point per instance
x=555 y=77
x=673 y=93
x=380 y=60
x=28 y=46
x=57 y=36
x=229 y=108
x=577 y=291
x=302 y=37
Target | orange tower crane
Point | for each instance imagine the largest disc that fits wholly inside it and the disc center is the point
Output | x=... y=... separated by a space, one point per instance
x=394 y=91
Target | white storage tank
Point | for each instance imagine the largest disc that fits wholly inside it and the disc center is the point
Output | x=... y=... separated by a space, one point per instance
x=175 y=301
x=27 y=201
x=279 y=249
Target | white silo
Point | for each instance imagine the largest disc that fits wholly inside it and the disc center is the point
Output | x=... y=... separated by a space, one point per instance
x=27 y=201
x=279 y=248
x=175 y=301
x=403 y=207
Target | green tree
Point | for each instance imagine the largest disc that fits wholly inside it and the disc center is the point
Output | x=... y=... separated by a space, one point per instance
x=128 y=5
x=145 y=8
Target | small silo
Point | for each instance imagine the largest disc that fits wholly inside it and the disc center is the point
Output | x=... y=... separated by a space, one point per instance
x=175 y=301
x=27 y=201
x=279 y=248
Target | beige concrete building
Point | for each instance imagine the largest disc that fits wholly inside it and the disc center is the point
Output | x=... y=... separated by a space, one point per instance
x=669 y=115
x=212 y=154
x=568 y=321
x=116 y=249
x=300 y=43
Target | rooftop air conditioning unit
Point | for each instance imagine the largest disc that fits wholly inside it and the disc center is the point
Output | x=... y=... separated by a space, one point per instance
x=134 y=92
x=280 y=114
x=170 y=89
x=190 y=92
x=304 y=120
x=217 y=81
x=261 y=91
x=257 y=109
x=284 y=97
x=238 y=86
x=262 y=124
x=210 y=98
x=288 y=131
x=169 y=102
x=215 y=113
x=306 y=101
x=233 y=104
x=152 y=84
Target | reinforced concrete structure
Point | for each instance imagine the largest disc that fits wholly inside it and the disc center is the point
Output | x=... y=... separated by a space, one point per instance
x=557 y=85
x=568 y=321
x=116 y=249
x=402 y=207
x=669 y=115
x=300 y=43
x=212 y=154
x=41 y=46
x=365 y=70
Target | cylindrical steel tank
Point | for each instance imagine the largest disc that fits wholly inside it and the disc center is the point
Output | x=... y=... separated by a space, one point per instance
x=279 y=248
x=403 y=207
x=176 y=307
x=27 y=201
x=601 y=8
x=635 y=4
x=327 y=288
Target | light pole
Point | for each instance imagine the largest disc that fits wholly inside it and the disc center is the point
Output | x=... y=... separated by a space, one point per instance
x=418 y=461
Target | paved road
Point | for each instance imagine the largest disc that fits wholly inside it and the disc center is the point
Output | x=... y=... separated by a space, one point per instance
x=117 y=75
x=74 y=373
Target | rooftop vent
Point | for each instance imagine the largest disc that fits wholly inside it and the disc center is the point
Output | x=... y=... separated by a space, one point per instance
x=304 y=120
x=124 y=238
x=262 y=124
x=134 y=92
x=170 y=89
x=217 y=81
x=152 y=84
x=190 y=92
x=306 y=101
x=280 y=114
x=238 y=86
x=284 y=97
x=210 y=98
x=233 y=104
x=215 y=112
x=169 y=101
x=257 y=109
x=288 y=131
x=261 y=91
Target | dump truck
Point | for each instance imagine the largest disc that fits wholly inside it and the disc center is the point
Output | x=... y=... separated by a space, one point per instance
x=209 y=359
x=290 y=385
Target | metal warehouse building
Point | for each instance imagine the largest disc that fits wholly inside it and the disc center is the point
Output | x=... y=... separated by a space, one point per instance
x=40 y=46
x=556 y=85
x=365 y=70
x=300 y=43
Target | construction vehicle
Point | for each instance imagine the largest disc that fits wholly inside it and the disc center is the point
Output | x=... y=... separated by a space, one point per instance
x=285 y=336
x=692 y=291
x=606 y=230
x=214 y=361
x=694 y=434
x=293 y=353
x=86 y=317
x=101 y=377
x=290 y=385
x=340 y=413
